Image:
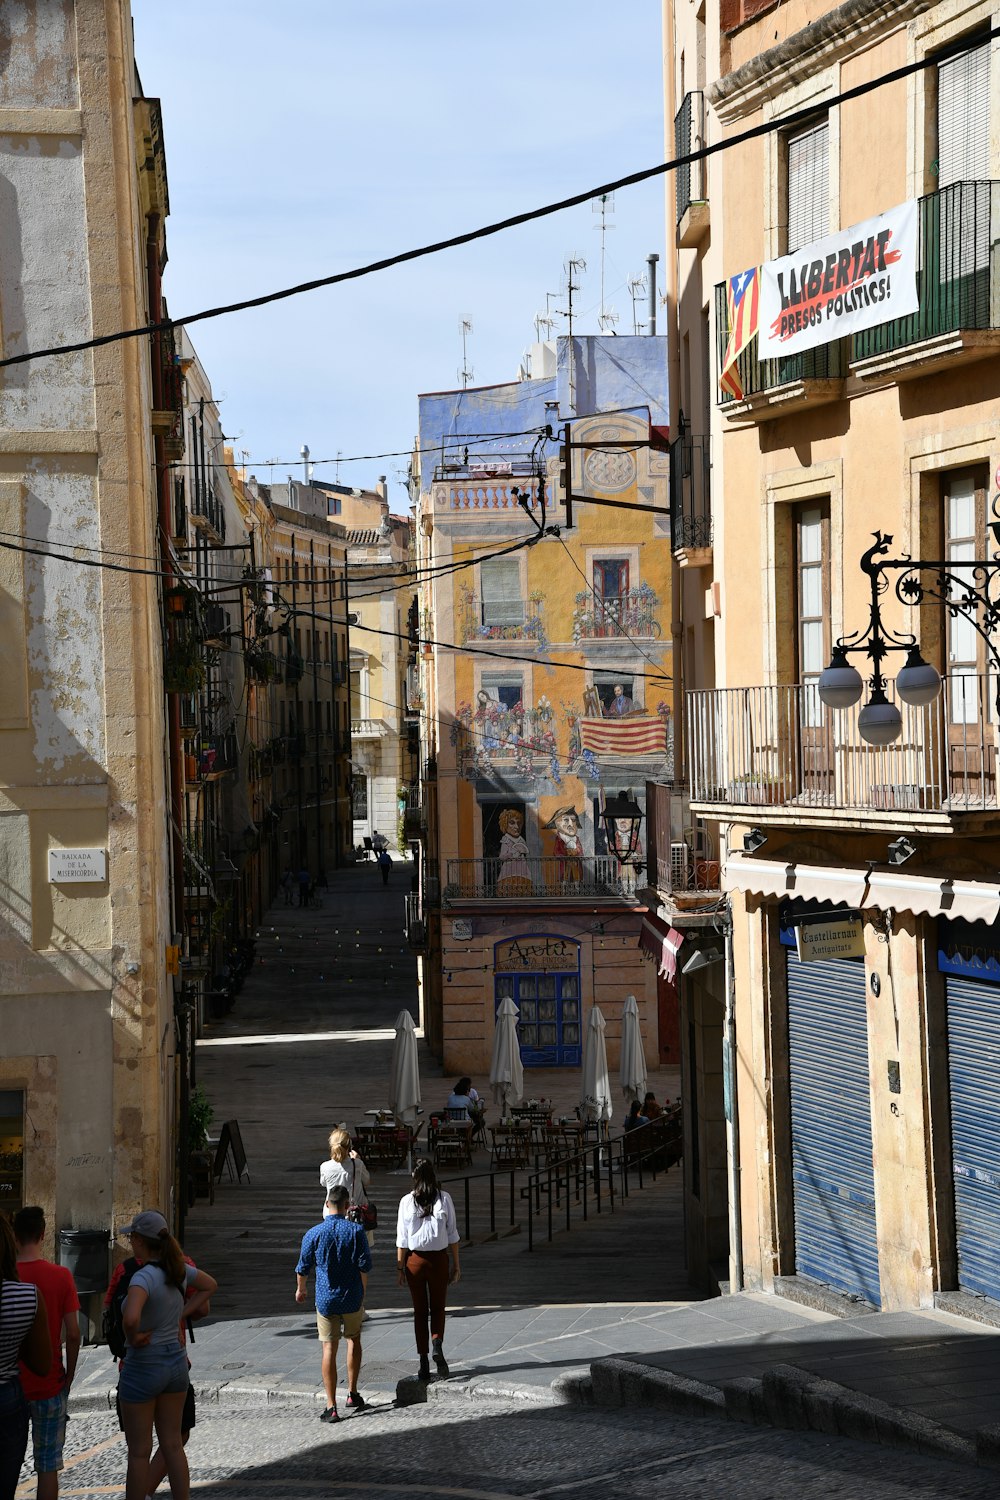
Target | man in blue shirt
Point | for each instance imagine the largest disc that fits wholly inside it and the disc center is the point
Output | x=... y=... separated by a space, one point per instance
x=338 y=1252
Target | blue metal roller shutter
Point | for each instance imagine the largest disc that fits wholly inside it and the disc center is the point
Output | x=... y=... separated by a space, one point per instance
x=974 y=1074
x=832 y=1170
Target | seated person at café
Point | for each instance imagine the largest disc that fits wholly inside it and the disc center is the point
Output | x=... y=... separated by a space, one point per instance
x=635 y=1116
x=650 y=1108
x=464 y=1096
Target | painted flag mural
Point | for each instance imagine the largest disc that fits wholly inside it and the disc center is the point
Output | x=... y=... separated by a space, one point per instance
x=638 y=736
x=742 y=299
x=857 y=278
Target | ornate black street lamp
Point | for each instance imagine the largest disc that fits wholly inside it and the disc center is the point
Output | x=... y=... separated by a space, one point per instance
x=622 y=816
x=967 y=589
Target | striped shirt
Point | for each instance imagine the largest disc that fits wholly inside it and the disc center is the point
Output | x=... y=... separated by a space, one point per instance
x=18 y=1301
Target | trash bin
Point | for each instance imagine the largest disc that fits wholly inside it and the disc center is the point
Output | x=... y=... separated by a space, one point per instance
x=85 y=1253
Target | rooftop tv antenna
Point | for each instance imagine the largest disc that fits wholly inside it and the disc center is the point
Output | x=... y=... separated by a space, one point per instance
x=573 y=267
x=465 y=374
x=604 y=205
x=636 y=290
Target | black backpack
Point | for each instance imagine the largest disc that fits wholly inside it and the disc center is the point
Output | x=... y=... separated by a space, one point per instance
x=112 y=1326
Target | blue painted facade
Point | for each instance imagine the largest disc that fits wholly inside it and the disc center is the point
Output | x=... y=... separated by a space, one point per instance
x=610 y=374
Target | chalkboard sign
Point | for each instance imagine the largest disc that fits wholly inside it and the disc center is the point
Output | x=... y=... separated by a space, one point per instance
x=231 y=1142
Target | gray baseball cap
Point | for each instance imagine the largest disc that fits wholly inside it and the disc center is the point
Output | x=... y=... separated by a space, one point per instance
x=149 y=1224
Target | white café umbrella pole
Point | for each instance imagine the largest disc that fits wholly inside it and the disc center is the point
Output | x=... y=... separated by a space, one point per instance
x=633 y=1065
x=404 y=1075
x=596 y=1102
x=506 y=1072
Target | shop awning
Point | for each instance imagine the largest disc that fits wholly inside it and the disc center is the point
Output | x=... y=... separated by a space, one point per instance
x=769 y=877
x=973 y=900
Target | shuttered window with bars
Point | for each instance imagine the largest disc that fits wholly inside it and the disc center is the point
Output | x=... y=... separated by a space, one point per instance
x=500 y=582
x=963 y=117
x=808 y=184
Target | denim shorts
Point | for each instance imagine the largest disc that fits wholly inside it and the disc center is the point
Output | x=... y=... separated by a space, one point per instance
x=155 y=1370
x=48 y=1432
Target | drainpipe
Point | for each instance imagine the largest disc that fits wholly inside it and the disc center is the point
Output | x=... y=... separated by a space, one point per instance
x=732 y=1120
x=651 y=263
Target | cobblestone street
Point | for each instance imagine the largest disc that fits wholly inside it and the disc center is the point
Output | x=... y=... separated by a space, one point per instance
x=502 y=1450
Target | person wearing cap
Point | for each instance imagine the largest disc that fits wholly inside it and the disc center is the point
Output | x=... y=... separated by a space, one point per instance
x=154 y=1378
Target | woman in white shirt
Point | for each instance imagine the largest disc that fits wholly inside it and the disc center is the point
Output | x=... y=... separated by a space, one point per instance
x=345 y=1169
x=425 y=1234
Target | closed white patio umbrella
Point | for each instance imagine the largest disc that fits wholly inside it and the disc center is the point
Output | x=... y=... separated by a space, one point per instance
x=506 y=1072
x=404 y=1073
x=596 y=1101
x=633 y=1064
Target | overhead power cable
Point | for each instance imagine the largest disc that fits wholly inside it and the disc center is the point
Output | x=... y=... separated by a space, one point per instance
x=513 y=221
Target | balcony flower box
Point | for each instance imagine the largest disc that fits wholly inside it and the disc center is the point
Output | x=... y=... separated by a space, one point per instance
x=759 y=791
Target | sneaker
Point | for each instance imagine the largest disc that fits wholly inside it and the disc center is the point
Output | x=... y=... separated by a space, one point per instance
x=356 y=1402
x=330 y=1415
x=439 y=1359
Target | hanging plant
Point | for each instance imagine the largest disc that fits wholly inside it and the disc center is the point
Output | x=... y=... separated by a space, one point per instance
x=184 y=666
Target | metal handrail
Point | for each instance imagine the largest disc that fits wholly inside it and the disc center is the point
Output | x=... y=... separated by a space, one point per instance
x=566 y=1180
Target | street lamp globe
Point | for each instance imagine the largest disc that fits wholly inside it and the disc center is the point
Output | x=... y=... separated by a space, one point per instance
x=840 y=684
x=880 y=722
x=918 y=682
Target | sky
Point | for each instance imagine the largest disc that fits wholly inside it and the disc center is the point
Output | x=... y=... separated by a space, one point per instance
x=310 y=137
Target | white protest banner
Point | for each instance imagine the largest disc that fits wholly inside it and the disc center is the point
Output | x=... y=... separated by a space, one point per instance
x=854 y=279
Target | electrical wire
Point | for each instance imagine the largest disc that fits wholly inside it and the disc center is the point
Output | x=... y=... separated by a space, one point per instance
x=356 y=458
x=631 y=179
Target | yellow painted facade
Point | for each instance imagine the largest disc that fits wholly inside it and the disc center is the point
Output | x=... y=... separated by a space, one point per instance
x=546 y=686
x=892 y=431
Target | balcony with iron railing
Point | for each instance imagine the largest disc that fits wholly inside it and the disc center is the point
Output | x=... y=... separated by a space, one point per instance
x=630 y=614
x=486 y=620
x=691 y=499
x=772 y=387
x=957 y=318
x=535 y=878
x=958 y=285
x=779 y=754
x=415 y=924
x=691 y=177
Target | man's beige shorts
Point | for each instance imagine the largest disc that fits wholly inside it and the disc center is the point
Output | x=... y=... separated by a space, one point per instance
x=348 y=1324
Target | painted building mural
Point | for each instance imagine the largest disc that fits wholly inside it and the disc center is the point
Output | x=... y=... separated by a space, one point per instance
x=558 y=697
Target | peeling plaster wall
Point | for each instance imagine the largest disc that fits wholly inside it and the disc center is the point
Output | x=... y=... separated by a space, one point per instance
x=85 y=1004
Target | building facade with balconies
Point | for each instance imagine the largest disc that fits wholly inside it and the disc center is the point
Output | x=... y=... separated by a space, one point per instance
x=545 y=684
x=863 y=953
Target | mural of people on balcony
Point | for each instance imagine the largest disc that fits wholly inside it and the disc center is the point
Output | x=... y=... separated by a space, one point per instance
x=627 y=839
x=568 y=845
x=621 y=704
x=514 y=877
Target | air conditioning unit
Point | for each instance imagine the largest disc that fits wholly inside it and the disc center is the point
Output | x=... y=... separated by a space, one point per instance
x=680 y=867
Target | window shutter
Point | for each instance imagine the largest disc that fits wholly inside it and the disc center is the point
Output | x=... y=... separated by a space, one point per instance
x=500 y=580
x=964 y=117
x=808 y=185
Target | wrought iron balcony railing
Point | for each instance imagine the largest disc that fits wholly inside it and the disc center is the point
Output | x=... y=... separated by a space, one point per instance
x=690 y=493
x=689 y=135
x=535 y=877
x=958 y=270
x=782 y=747
x=631 y=613
x=827 y=362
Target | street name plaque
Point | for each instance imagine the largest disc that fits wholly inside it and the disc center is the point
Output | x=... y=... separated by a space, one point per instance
x=73 y=866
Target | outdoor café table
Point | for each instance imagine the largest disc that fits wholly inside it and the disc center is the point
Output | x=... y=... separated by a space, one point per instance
x=511 y=1145
x=450 y=1142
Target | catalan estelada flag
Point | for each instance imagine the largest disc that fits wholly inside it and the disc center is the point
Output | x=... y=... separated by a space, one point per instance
x=742 y=301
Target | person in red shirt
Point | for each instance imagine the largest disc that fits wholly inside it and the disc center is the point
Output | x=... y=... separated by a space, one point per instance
x=48 y=1394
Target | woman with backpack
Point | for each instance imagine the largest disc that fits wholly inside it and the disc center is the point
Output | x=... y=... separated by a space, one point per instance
x=154 y=1379
x=24 y=1334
